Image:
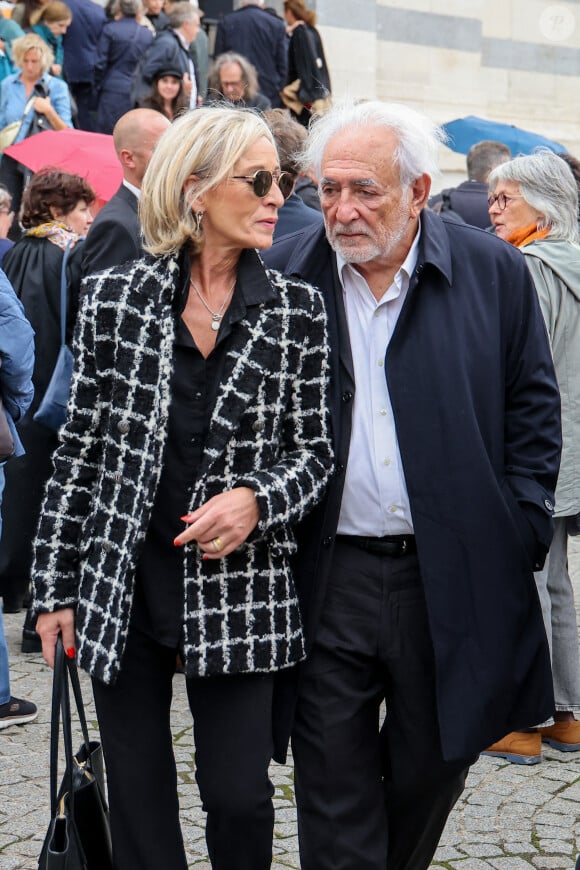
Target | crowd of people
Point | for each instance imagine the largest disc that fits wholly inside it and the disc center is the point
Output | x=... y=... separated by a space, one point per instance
x=320 y=449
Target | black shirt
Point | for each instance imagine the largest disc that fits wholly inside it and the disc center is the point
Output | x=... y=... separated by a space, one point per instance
x=159 y=595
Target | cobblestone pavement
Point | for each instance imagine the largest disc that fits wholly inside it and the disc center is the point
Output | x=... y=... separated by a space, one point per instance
x=510 y=817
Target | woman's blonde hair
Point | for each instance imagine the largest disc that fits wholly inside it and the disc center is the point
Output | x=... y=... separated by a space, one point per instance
x=204 y=143
x=30 y=41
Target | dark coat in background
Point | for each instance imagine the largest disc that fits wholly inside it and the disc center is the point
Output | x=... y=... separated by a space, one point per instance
x=468 y=200
x=477 y=411
x=261 y=38
x=120 y=49
x=33 y=267
x=306 y=61
x=166 y=52
x=80 y=56
x=115 y=235
x=81 y=41
x=294 y=215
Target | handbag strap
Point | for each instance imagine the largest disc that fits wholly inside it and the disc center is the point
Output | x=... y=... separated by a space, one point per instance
x=60 y=712
x=76 y=686
x=63 y=293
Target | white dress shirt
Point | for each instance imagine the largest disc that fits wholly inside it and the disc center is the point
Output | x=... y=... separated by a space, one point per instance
x=375 y=501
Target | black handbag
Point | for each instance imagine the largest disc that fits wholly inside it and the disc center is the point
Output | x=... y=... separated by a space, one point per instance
x=78 y=836
x=52 y=409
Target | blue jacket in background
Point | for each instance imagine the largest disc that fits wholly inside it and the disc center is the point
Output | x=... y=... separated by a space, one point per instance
x=81 y=40
x=13 y=101
x=17 y=354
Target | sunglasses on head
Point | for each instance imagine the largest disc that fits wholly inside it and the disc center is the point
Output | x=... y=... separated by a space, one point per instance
x=263 y=179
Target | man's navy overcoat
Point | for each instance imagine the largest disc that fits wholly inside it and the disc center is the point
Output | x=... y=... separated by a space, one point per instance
x=477 y=413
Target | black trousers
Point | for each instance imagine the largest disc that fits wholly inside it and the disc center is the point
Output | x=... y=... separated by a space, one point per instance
x=233 y=746
x=371 y=797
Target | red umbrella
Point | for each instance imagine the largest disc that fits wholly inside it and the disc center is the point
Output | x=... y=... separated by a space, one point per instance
x=90 y=155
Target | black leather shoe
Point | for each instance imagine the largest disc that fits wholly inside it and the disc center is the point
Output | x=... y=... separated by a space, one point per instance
x=12 y=604
x=31 y=642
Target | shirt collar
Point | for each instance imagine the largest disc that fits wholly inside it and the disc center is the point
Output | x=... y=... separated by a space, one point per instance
x=135 y=190
x=252 y=286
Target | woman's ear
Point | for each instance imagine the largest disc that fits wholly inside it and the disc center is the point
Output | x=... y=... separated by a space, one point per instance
x=55 y=212
x=195 y=202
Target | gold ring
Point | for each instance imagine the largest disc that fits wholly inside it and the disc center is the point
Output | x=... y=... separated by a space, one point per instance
x=218 y=544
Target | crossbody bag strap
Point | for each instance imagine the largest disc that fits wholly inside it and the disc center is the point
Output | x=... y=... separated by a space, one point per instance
x=63 y=293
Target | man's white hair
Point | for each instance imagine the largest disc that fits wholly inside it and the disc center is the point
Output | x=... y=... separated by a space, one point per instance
x=418 y=137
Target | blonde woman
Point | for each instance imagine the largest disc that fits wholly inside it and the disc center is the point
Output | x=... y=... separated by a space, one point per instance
x=40 y=99
x=197 y=435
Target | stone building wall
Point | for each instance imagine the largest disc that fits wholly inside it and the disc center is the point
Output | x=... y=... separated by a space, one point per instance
x=516 y=61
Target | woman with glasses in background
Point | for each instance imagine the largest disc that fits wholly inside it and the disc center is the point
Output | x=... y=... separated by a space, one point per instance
x=197 y=435
x=533 y=204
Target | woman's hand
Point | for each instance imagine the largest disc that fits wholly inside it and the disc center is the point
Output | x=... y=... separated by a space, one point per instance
x=43 y=106
x=222 y=523
x=50 y=625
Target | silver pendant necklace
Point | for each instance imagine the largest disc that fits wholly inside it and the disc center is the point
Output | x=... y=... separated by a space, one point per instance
x=216 y=316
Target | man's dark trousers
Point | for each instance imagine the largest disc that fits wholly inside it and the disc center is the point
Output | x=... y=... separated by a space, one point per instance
x=371 y=798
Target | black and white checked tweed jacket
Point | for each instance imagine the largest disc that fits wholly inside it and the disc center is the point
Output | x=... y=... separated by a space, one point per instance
x=269 y=430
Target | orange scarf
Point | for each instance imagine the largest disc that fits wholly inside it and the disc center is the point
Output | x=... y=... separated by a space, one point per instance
x=525 y=235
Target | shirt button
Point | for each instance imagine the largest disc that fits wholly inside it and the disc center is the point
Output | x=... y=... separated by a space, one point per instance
x=380 y=362
x=123 y=427
x=383 y=412
x=387 y=461
x=378 y=312
x=393 y=509
x=258 y=426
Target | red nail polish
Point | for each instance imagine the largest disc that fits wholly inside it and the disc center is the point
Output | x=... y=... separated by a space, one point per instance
x=186 y=518
x=71 y=652
x=205 y=557
x=176 y=543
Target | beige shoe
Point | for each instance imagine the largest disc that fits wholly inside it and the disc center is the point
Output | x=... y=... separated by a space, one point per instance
x=564 y=736
x=519 y=747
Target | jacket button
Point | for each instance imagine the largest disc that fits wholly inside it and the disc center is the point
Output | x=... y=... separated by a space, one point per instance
x=123 y=427
x=327 y=541
x=107 y=546
x=347 y=396
x=339 y=468
x=257 y=426
x=548 y=504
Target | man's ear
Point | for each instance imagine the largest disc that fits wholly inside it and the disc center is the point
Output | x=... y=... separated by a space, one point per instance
x=420 y=194
x=126 y=157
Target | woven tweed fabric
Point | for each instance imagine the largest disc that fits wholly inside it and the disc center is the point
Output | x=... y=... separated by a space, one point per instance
x=269 y=430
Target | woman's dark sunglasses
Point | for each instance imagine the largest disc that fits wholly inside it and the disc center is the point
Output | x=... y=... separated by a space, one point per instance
x=263 y=179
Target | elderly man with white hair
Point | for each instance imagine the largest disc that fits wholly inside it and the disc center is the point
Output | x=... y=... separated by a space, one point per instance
x=416 y=572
